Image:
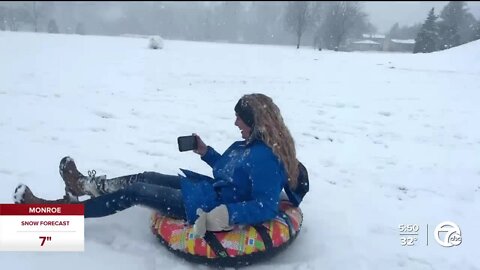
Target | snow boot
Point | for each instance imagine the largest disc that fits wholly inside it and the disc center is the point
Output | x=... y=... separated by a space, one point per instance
x=77 y=184
x=23 y=195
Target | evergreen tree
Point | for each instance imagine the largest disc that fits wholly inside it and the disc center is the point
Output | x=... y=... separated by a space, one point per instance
x=52 y=26
x=476 y=31
x=452 y=19
x=427 y=37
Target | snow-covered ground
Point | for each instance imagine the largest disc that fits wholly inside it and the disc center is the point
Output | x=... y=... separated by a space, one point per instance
x=388 y=139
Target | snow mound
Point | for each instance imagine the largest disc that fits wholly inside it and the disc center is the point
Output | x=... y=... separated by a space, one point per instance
x=470 y=48
x=465 y=57
x=155 y=42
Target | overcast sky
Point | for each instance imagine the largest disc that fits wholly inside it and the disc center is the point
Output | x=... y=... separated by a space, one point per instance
x=384 y=14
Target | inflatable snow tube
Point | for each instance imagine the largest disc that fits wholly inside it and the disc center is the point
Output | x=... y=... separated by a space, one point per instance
x=241 y=246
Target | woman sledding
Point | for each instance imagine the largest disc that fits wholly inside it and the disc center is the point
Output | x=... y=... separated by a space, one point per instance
x=248 y=178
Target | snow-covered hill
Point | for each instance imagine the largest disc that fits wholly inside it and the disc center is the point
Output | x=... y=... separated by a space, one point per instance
x=388 y=139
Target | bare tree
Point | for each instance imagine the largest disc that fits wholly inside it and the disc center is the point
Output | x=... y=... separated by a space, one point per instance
x=297 y=18
x=40 y=12
x=340 y=19
x=229 y=19
x=35 y=16
x=3 y=18
x=11 y=20
x=267 y=22
x=316 y=17
x=16 y=15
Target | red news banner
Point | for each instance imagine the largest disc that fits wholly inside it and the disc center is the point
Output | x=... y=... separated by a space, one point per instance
x=42 y=227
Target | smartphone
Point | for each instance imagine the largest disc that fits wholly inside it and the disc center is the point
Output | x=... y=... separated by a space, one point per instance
x=187 y=143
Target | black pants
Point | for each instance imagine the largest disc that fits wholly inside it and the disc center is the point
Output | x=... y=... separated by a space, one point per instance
x=159 y=191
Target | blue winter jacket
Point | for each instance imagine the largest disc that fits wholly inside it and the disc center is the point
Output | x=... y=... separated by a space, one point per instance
x=248 y=179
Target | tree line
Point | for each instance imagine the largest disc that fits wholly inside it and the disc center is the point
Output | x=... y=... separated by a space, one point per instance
x=14 y=16
x=454 y=26
x=331 y=23
x=327 y=25
x=321 y=24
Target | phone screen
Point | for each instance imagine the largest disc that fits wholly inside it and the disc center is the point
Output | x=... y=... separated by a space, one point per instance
x=187 y=143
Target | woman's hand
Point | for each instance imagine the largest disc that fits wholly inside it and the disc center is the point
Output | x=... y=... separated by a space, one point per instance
x=215 y=220
x=201 y=146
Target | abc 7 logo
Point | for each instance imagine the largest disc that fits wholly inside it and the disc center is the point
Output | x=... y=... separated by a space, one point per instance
x=451 y=234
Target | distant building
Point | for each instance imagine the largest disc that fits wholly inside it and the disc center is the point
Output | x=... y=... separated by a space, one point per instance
x=365 y=45
x=375 y=37
x=378 y=42
x=399 y=45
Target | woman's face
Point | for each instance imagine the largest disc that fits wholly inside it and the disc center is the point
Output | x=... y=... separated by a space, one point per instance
x=244 y=129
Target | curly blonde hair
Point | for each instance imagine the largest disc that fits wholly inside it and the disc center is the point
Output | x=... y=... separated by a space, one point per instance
x=271 y=129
